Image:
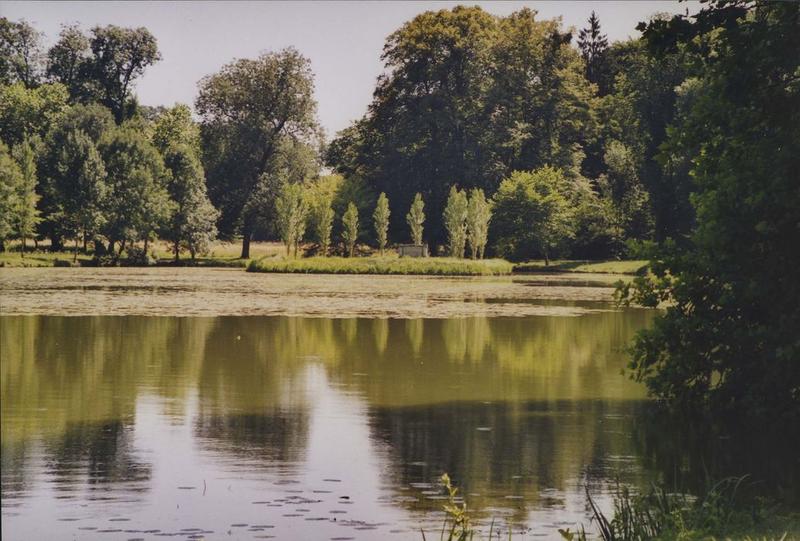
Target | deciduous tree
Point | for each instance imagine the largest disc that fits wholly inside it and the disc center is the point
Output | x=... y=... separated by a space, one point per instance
x=455 y=221
x=479 y=214
x=350 y=228
x=416 y=219
x=381 y=221
x=252 y=110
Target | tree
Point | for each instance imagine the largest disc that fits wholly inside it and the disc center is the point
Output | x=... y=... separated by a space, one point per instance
x=416 y=219
x=469 y=96
x=119 y=57
x=68 y=63
x=193 y=220
x=455 y=221
x=321 y=193
x=252 y=111
x=532 y=214
x=593 y=45
x=29 y=112
x=10 y=178
x=350 y=228
x=381 y=220
x=479 y=214
x=77 y=185
x=20 y=53
x=193 y=217
x=175 y=126
x=138 y=203
x=727 y=339
x=70 y=166
x=24 y=214
x=631 y=217
x=292 y=211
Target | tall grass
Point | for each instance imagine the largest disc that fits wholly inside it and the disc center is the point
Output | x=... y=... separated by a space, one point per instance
x=438 y=266
x=658 y=514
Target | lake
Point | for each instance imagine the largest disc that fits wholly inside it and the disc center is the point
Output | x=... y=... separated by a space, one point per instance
x=216 y=404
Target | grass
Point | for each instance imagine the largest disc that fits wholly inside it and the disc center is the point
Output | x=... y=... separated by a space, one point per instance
x=723 y=512
x=221 y=254
x=42 y=259
x=436 y=266
x=601 y=267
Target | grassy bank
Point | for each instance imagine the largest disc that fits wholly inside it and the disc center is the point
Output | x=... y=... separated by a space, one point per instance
x=436 y=266
x=602 y=267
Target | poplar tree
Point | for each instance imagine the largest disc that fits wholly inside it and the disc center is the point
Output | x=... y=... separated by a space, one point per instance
x=381 y=219
x=416 y=219
x=455 y=221
x=479 y=213
x=24 y=214
x=350 y=228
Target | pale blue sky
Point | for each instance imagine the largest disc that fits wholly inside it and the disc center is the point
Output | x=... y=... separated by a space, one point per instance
x=343 y=40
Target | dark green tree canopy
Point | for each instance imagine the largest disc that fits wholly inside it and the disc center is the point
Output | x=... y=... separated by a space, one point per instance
x=467 y=97
x=253 y=113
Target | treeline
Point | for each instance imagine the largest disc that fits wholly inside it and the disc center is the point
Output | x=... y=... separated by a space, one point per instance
x=471 y=99
x=81 y=161
x=562 y=134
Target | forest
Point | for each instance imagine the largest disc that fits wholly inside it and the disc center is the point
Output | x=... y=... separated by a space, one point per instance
x=510 y=136
x=563 y=134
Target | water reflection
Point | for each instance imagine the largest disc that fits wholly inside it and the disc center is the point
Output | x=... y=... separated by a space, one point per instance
x=284 y=424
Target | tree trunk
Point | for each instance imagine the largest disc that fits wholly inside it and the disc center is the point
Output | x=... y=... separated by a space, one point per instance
x=22 y=250
x=75 y=252
x=85 y=242
x=122 y=246
x=177 y=252
x=146 y=243
x=246 y=234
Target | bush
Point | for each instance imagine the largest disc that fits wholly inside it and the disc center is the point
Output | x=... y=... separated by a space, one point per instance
x=137 y=257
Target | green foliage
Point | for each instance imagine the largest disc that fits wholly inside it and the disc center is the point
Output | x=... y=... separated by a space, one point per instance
x=460 y=523
x=119 y=57
x=258 y=124
x=593 y=45
x=292 y=210
x=468 y=96
x=10 y=179
x=533 y=216
x=350 y=228
x=193 y=217
x=479 y=214
x=437 y=266
x=416 y=219
x=455 y=221
x=20 y=53
x=728 y=337
x=77 y=186
x=175 y=126
x=138 y=202
x=381 y=221
x=24 y=214
x=321 y=193
x=67 y=61
x=29 y=112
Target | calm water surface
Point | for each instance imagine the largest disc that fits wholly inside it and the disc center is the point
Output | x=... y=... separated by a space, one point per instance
x=246 y=427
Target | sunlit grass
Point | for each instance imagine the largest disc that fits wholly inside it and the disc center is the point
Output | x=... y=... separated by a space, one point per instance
x=602 y=267
x=436 y=266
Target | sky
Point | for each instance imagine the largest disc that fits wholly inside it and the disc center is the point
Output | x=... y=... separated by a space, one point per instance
x=343 y=40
